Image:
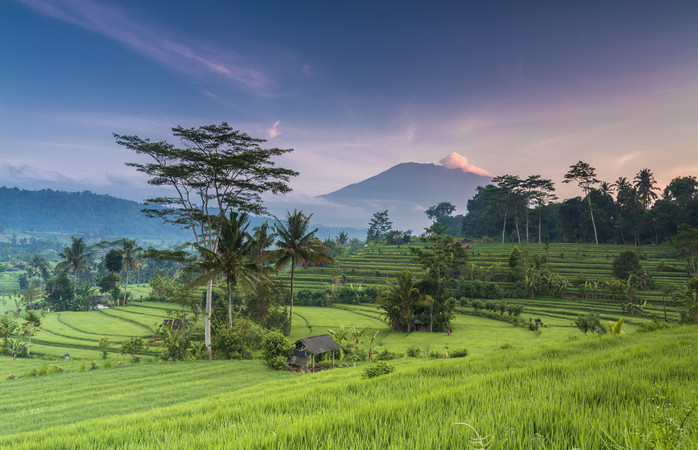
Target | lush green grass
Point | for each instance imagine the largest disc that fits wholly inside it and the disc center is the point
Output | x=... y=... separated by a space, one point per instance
x=586 y=393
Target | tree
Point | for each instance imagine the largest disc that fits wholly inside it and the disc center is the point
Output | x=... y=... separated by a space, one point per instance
x=686 y=243
x=590 y=322
x=41 y=265
x=235 y=259
x=438 y=212
x=398 y=302
x=30 y=327
x=77 y=258
x=295 y=246
x=129 y=257
x=378 y=227
x=131 y=346
x=688 y=297
x=646 y=185
x=541 y=193
x=625 y=265
x=8 y=327
x=113 y=261
x=218 y=170
x=342 y=238
x=511 y=200
x=585 y=176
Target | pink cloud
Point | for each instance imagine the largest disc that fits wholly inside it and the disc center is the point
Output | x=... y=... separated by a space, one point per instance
x=457 y=161
x=273 y=131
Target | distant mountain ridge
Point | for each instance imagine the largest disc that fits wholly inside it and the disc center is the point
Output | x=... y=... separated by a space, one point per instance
x=100 y=215
x=408 y=189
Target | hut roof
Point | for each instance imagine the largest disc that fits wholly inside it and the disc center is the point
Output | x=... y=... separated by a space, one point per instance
x=319 y=344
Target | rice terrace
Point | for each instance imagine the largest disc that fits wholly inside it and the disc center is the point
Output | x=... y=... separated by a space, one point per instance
x=381 y=225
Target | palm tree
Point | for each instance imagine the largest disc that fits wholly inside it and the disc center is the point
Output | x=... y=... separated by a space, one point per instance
x=397 y=302
x=76 y=257
x=297 y=245
x=41 y=265
x=129 y=254
x=646 y=185
x=235 y=259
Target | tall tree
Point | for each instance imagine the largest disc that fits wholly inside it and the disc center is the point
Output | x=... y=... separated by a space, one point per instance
x=235 y=259
x=585 y=176
x=218 y=170
x=378 y=227
x=646 y=185
x=297 y=245
x=511 y=199
x=77 y=258
x=541 y=194
x=129 y=256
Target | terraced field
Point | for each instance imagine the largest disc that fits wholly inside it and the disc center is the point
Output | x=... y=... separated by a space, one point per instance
x=78 y=332
x=573 y=261
x=603 y=392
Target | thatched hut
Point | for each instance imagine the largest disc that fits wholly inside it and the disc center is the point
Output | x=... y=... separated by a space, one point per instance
x=307 y=348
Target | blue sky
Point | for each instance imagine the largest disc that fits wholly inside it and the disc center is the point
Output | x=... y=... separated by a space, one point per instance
x=355 y=88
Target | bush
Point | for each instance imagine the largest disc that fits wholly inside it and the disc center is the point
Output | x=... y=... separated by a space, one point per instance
x=238 y=341
x=460 y=353
x=387 y=355
x=275 y=349
x=377 y=369
x=413 y=352
x=104 y=346
x=132 y=346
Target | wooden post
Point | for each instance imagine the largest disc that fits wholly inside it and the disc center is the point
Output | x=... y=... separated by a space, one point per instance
x=333 y=359
x=312 y=359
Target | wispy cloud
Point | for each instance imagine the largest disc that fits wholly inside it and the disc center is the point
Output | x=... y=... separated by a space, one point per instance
x=273 y=131
x=195 y=60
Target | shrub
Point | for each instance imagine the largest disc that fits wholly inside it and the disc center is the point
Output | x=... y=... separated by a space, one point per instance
x=387 y=355
x=377 y=369
x=460 y=353
x=275 y=349
x=104 y=346
x=238 y=341
x=132 y=346
x=413 y=352
x=93 y=365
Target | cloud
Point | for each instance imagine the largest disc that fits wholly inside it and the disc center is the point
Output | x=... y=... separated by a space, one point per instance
x=196 y=61
x=457 y=161
x=273 y=131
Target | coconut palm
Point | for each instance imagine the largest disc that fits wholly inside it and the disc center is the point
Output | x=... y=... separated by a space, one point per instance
x=646 y=185
x=77 y=258
x=296 y=245
x=235 y=259
x=41 y=265
x=398 y=302
x=130 y=261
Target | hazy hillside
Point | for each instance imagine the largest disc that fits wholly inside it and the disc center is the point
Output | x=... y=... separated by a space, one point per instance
x=99 y=215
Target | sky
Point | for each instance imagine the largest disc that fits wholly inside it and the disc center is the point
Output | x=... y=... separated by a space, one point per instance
x=353 y=87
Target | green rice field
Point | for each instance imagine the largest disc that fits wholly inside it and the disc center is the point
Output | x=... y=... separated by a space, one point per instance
x=602 y=392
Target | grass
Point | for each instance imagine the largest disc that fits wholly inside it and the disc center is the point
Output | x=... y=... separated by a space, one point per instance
x=587 y=393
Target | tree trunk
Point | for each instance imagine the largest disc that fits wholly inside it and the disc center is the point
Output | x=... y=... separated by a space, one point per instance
x=504 y=225
x=593 y=223
x=540 y=228
x=207 y=318
x=125 y=287
x=290 y=314
x=527 y=241
x=516 y=222
x=230 y=306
